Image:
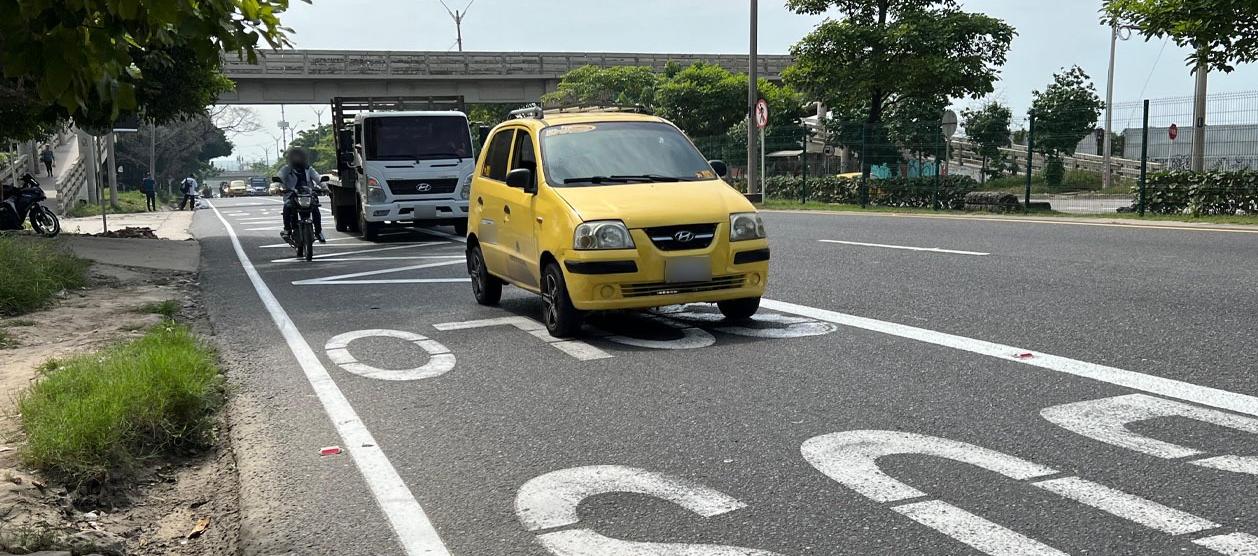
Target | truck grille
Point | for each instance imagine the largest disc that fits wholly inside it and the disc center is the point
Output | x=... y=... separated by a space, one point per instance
x=443 y=186
x=662 y=288
x=681 y=238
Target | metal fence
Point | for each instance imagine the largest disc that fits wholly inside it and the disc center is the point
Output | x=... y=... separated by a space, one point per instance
x=1063 y=170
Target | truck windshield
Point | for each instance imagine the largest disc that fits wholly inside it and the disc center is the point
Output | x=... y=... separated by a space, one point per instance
x=612 y=153
x=418 y=138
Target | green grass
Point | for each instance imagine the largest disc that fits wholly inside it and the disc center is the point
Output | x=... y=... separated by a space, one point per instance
x=1075 y=182
x=784 y=204
x=21 y=322
x=33 y=271
x=95 y=418
x=169 y=308
x=129 y=202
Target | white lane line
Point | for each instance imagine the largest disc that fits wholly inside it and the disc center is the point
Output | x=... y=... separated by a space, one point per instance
x=1170 y=388
x=367 y=251
x=906 y=248
x=1232 y=544
x=349 y=278
x=410 y=523
x=975 y=531
x=266 y=229
x=440 y=359
x=359 y=242
x=577 y=349
x=461 y=239
x=1127 y=506
x=368 y=259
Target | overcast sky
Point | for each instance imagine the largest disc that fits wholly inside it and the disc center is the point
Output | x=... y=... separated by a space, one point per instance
x=1051 y=34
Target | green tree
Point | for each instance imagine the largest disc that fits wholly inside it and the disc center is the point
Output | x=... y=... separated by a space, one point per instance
x=183 y=147
x=95 y=61
x=319 y=145
x=988 y=128
x=884 y=52
x=1220 y=33
x=627 y=85
x=1065 y=113
x=703 y=99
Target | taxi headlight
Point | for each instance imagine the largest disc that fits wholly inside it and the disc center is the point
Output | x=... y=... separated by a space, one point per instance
x=607 y=234
x=745 y=226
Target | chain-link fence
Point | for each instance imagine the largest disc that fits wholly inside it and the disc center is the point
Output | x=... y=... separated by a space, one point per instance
x=1059 y=160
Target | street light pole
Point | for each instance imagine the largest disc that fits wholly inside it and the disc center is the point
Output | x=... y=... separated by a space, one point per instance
x=1199 y=119
x=753 y=97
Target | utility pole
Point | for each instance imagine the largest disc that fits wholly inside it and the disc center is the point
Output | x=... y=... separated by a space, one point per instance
x=319 y=117
x=153 y=150
x=753 y=97
x=1109 y=107
x=1199 y=119
x=111 y=160
x=458 y=20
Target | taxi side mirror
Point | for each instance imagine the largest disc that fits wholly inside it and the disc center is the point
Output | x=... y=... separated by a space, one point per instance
x=522 y=178
x=719 y=167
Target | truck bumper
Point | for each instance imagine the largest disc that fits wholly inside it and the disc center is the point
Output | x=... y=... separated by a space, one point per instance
x=420 y=211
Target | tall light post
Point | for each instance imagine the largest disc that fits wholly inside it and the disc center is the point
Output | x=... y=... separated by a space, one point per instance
x=458 y=20
x=1199 y=119
x=753 y=97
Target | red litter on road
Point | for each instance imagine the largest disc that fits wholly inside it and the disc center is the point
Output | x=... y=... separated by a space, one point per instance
x=1025 y=355
x=330 y=451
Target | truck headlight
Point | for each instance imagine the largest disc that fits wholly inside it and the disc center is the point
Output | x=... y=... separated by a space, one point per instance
x=375 y=193
x=466 y=190
x=745 y=226
x=606 y=234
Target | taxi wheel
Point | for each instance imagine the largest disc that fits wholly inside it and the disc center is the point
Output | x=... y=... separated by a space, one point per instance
x=562 y=319
x=739 y=309
x=485 y=286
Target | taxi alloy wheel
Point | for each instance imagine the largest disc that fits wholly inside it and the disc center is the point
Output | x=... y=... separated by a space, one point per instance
x=562 y=319
x=486 y=287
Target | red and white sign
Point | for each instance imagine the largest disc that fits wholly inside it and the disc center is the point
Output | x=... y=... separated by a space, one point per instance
x=1174 y=132
x=762 y=114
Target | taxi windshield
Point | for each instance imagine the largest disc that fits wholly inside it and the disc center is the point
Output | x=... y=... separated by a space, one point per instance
x=614 y=153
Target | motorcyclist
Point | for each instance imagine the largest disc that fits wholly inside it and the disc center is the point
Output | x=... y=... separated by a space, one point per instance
x=297 y=176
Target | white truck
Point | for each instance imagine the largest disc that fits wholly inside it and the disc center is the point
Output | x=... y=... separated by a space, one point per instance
x=399 y=166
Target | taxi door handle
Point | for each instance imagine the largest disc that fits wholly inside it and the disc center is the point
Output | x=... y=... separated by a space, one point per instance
x=540 y=220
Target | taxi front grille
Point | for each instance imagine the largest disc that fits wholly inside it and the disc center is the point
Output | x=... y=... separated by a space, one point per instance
x=681 y=238
x=663 y=288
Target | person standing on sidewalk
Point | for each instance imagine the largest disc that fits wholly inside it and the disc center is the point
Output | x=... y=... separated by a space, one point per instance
x=189 y=190
x=48 y=158
x=149 y=187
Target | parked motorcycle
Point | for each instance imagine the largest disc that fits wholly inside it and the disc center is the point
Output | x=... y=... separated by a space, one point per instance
x=26 y=201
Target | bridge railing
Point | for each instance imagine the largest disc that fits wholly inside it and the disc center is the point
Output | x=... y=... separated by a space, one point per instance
x=418 y=65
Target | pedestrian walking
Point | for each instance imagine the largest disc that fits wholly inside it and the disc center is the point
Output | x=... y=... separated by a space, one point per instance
x=48 y=158
x=149 y=187
x=189 y=190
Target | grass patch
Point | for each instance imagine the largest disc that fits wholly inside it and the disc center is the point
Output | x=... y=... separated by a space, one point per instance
x=129 y=202
x=169 y=308
x=783 y=204
x=21 y=322
x=6 y=340
x=33 y=271
x=1075 y=181
x=97 y=417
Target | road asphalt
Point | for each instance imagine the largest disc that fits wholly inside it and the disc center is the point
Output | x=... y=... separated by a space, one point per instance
x=912 y=386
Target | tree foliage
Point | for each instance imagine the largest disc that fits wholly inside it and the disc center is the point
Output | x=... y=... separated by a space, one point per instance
x=987 y=126
x=183 y=147
x=95 y=61
x=1220 y=33
x=884 y=52
x=624 y=85
x=1065 y=112
x=703 y=99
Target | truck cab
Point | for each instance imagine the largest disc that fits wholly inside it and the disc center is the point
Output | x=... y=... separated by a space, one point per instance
x=407 y=168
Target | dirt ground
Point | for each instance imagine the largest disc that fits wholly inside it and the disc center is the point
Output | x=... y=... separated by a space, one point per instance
x=172 y=499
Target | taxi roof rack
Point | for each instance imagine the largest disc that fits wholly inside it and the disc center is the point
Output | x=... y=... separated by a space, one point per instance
x=531 y=111
x=579 y=108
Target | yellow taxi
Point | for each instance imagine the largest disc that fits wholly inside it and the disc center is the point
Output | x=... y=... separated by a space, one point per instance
x=609 y=210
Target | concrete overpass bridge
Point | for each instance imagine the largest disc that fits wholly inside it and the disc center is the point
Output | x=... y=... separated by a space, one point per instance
x=315 y=76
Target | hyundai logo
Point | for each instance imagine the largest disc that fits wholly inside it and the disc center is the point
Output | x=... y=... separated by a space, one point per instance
x=423 y=187
x=684 y=236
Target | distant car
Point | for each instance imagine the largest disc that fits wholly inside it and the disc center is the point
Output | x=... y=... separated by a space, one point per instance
x=237 y=188
x=259 y=186
x=275 y=189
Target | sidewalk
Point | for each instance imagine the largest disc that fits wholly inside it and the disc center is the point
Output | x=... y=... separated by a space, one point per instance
x=67 y=155
x=167 y=224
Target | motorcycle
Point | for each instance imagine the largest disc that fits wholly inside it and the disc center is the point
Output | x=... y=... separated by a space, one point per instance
x=302 y=237
x=21 y=203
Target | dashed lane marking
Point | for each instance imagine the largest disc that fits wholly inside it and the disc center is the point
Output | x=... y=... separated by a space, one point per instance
x=906 y=248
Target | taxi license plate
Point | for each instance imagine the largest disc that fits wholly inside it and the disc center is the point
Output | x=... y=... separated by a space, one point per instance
x=688 y=269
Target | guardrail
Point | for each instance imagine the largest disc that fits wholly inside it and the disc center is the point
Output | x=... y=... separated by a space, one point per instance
x=73 y=183
x=419 y=65
x=966 y=153
x=14 y=167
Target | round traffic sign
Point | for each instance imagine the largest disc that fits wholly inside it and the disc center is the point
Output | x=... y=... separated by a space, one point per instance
x=949 y=123
x=762 y=114
x=1173 y=132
